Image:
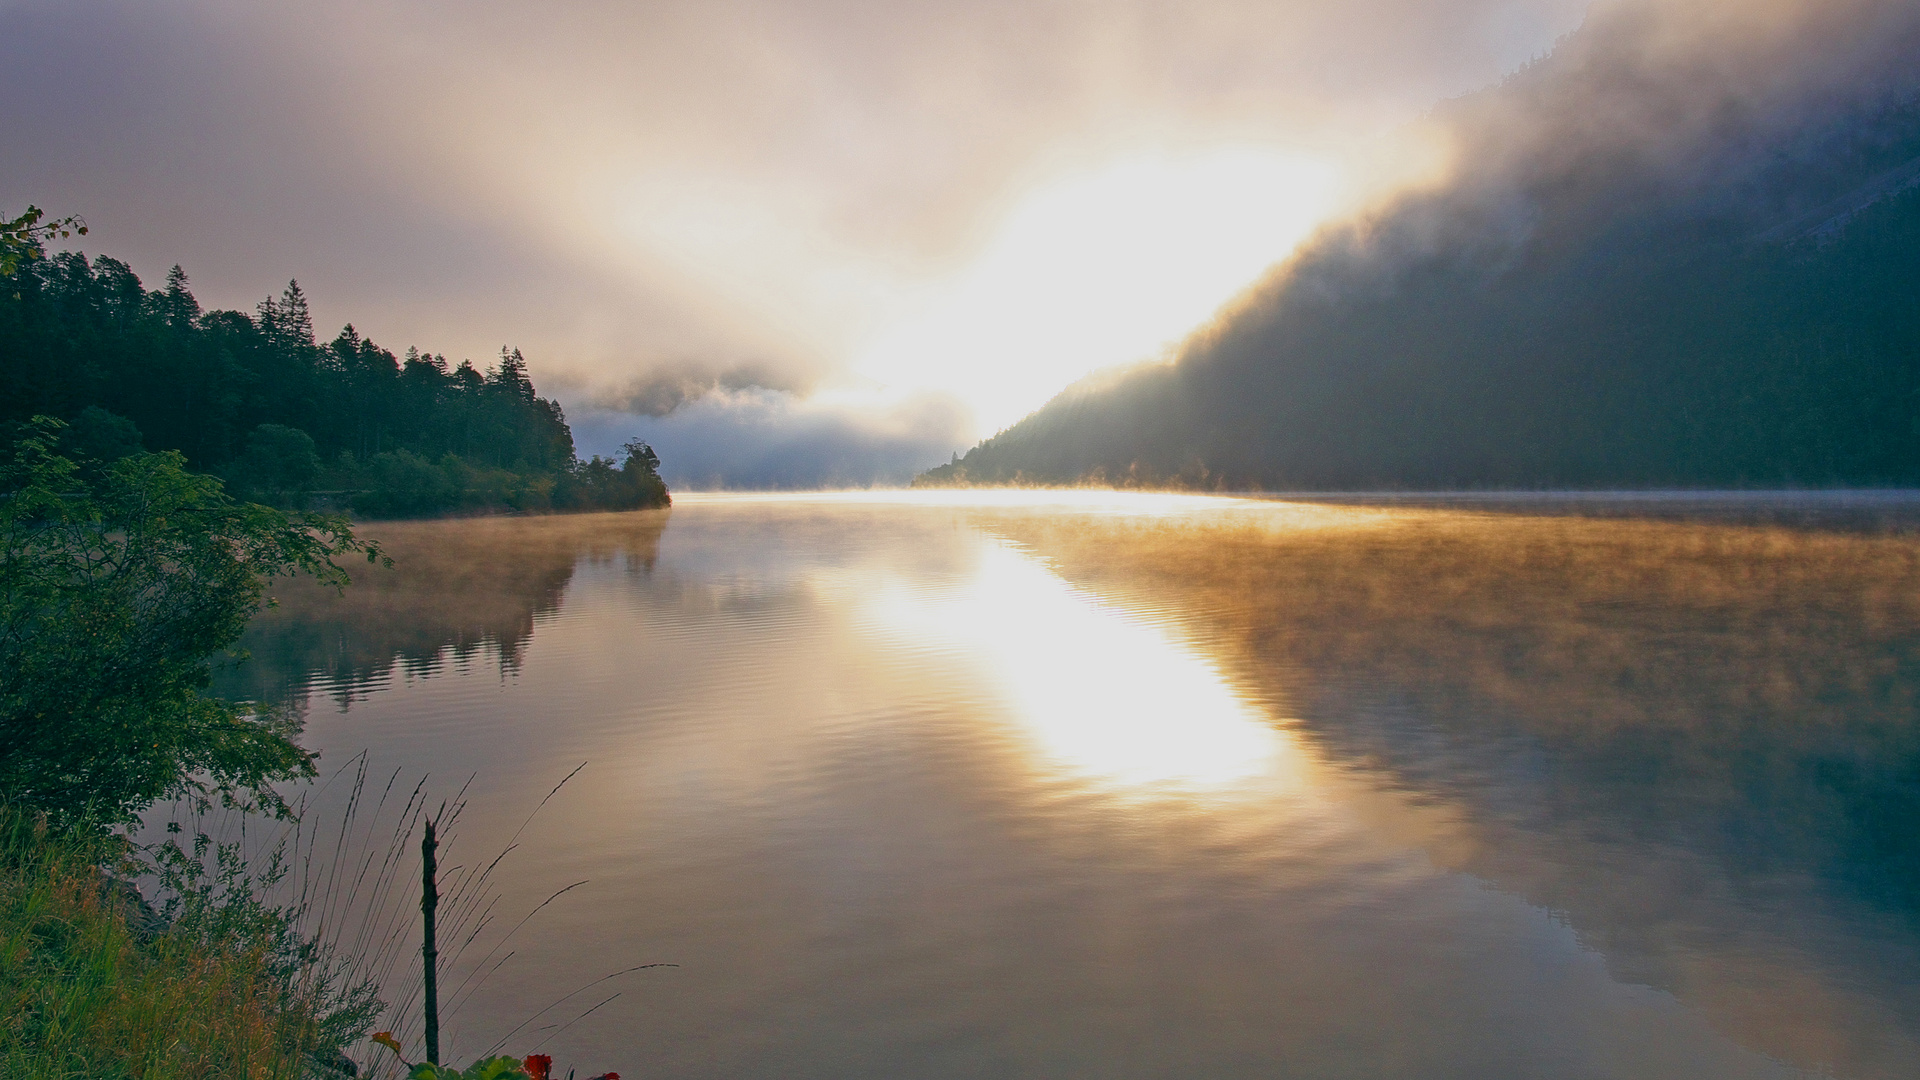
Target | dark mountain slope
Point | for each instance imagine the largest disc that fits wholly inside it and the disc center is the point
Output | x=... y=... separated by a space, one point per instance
x=1679 y=252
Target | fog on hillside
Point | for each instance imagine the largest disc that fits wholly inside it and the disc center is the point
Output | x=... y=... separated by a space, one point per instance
x=1671 y=253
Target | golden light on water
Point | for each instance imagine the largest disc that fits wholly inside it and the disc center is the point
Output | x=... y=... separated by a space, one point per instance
x=1102 y=695
x=1078 y=500
x=1109 y=695
x=963 y=756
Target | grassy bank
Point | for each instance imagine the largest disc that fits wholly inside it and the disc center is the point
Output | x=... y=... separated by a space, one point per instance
x=91 y=985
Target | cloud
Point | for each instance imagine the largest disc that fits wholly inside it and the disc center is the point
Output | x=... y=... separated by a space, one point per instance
x=1742 y=112
x=758 y=438
x=661 y=392
x=615 y=187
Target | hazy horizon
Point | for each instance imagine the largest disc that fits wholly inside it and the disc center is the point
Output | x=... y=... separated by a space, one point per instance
x=757 y=234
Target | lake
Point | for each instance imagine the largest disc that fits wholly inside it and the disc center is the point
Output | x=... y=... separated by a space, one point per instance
x=1078 y=784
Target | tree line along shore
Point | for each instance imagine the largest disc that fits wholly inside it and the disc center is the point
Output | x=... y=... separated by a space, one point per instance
x=282 y=418
x=161 y=466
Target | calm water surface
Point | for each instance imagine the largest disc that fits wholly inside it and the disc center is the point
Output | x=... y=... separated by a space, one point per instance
x=1154 y=786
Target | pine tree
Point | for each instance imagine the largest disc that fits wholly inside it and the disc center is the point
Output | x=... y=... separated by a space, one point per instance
x=512 y=374
x=286 y=322
x=82 y=337
x=296 y=320
x=178 y=305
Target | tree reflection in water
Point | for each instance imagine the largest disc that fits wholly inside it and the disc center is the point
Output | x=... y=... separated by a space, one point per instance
x=1695 y=741
x=456 y=591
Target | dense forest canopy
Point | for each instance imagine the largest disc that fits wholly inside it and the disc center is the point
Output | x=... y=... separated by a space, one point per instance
x=258 y=400
x=1660 y=263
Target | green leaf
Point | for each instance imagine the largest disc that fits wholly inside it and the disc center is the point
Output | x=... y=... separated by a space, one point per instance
x=499 y=1068
x=116 y=589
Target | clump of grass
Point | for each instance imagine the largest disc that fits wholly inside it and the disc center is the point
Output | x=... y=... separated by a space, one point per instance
x=90 y=987
x=274 y=941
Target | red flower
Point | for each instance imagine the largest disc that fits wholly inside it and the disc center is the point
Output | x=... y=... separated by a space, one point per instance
x=538 y=1065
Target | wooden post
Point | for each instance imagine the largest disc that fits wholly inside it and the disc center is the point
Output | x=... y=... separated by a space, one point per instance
x=430 y=953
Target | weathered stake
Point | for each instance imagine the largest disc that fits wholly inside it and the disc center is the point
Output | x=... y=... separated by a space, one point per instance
x=430 y=953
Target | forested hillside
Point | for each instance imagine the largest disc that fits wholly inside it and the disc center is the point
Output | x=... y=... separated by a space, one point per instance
x=1655 y=265
x=257 y=400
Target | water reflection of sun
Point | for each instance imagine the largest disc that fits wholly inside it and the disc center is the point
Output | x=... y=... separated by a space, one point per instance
x=1080 y=500
x=1102 y=695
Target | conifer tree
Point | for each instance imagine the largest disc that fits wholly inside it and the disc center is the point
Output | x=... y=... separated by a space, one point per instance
x=178 y=305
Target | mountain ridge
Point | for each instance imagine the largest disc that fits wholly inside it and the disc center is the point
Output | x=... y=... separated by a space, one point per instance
x=1590 y=304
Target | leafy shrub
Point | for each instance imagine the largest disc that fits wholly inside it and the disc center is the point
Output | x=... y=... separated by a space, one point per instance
x=401 y=484
x=114 y=594
x=278 y=465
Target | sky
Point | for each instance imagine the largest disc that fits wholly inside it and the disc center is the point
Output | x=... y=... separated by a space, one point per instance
x=790 y=242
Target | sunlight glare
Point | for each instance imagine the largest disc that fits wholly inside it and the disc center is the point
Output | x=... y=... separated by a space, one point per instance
x=1101 y=270
x=1101 y=694
x=1092 y=500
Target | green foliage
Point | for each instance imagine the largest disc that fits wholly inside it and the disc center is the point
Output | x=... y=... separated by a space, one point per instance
x=258 y=400
x=490 y=1068
x=215 y=900
x=99 y=437
x=21 y=237
x=631 y=484
x=279 y=462
x=493 y=1068
x=114 y=593
x=90 y=988
x=401 y=484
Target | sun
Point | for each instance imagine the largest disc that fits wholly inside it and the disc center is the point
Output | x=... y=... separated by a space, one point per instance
x=1108 y=267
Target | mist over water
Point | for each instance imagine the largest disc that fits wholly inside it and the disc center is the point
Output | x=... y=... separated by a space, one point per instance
x=1094 y=784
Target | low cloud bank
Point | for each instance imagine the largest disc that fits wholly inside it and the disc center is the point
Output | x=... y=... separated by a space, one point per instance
x=672 y=388
x=768 y=439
